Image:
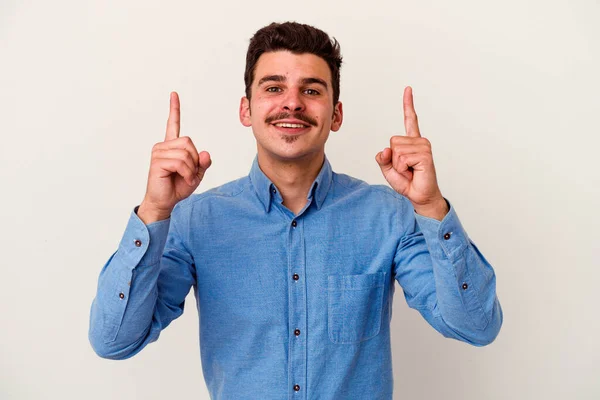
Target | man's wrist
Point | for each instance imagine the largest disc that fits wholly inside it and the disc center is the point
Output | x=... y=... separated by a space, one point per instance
x=149 y=215
x=437 y=210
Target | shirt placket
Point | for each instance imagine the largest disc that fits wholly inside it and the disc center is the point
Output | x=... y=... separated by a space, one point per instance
x=297 y=311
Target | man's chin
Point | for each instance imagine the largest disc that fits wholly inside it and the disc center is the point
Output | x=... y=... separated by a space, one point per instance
x=290 y=138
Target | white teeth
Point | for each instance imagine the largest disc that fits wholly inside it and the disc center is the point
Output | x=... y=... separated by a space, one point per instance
x=285 y=125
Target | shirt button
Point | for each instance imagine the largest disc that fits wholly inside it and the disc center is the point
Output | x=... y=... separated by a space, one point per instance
x=274 y=190
x=296 y=277
x=447 y=236
x=294 y=223
x=121 y=295
x=297 y=332
x=297 y=388
x=138 y=243
x=465 y=286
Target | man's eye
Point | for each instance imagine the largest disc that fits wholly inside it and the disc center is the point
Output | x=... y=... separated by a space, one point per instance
x=311 y=92
x=273 y=89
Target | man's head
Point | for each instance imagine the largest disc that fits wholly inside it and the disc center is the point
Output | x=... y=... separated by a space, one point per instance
x=292 y=90
x=298 y=39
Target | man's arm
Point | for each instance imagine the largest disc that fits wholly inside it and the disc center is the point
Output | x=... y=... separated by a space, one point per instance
x=442 y=272
x=141 y=289
x=446 y=278
x=143 y=285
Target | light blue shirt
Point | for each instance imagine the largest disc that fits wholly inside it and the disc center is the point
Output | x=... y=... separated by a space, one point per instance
x=293 y=306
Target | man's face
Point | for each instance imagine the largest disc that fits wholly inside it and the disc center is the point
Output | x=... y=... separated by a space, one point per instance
x=291 y=109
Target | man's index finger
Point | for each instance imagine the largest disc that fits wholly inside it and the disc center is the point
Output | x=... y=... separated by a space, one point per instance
x=174 y=116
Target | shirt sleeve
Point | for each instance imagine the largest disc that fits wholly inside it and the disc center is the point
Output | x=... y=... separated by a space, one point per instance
x=446 y=278
x=141 y=288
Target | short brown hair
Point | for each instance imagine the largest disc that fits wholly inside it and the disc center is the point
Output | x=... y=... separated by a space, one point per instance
x=297 y=38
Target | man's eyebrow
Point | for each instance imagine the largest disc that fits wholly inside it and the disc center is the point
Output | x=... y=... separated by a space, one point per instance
x=308 y=81
x=281 y=78
x=273 y=78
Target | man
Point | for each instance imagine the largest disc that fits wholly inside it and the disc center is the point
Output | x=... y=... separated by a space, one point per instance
x=293 y=266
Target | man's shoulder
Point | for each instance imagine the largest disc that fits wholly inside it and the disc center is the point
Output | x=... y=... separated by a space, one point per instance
x=352 y=185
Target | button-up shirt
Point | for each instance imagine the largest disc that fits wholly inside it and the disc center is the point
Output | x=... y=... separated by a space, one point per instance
x=293 y=306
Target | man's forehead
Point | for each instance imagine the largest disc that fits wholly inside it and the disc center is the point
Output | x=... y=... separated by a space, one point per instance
x=291 y=66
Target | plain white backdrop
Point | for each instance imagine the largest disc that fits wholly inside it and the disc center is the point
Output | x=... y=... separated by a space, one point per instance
x=507 y=92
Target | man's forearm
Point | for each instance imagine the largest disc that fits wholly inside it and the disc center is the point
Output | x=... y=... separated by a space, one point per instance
x=458 y=294
x=123 y=310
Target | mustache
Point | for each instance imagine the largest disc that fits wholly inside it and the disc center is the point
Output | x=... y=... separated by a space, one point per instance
x=285 y=115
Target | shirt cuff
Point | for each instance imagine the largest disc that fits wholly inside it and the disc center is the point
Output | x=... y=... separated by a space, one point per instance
x=446 y=239
x=143 y=244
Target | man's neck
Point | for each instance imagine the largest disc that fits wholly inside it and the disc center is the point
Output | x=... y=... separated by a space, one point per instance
x=292 y=178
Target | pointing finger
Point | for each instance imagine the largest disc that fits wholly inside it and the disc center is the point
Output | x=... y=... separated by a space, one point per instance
x=174 y=115
x=411 y=123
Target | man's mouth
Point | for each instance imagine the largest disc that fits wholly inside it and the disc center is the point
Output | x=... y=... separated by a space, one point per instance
x=290 y=125
x=291 y=128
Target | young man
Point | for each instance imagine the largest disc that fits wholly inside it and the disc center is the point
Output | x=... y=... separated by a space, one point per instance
x=293 y=266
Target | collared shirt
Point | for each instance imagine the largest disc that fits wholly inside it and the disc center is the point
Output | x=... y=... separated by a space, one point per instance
x=293 y=306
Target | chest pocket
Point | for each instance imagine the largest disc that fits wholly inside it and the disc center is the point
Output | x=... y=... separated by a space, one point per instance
x=354 y=306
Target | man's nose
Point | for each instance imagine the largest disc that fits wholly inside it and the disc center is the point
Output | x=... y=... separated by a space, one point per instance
x=293 y=102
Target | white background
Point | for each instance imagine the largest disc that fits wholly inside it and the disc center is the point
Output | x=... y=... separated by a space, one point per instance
x=507 y=92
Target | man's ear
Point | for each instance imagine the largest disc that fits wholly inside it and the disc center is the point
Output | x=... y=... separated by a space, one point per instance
x=245 y=112
x=338 y=117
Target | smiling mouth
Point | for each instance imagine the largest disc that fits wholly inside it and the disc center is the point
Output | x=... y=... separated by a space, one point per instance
x=288 y=125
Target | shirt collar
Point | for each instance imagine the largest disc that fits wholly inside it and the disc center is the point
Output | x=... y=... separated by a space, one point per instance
x=265 y=188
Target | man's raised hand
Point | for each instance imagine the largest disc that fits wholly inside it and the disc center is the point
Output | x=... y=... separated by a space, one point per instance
x=176 y=170
x=408 y=167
